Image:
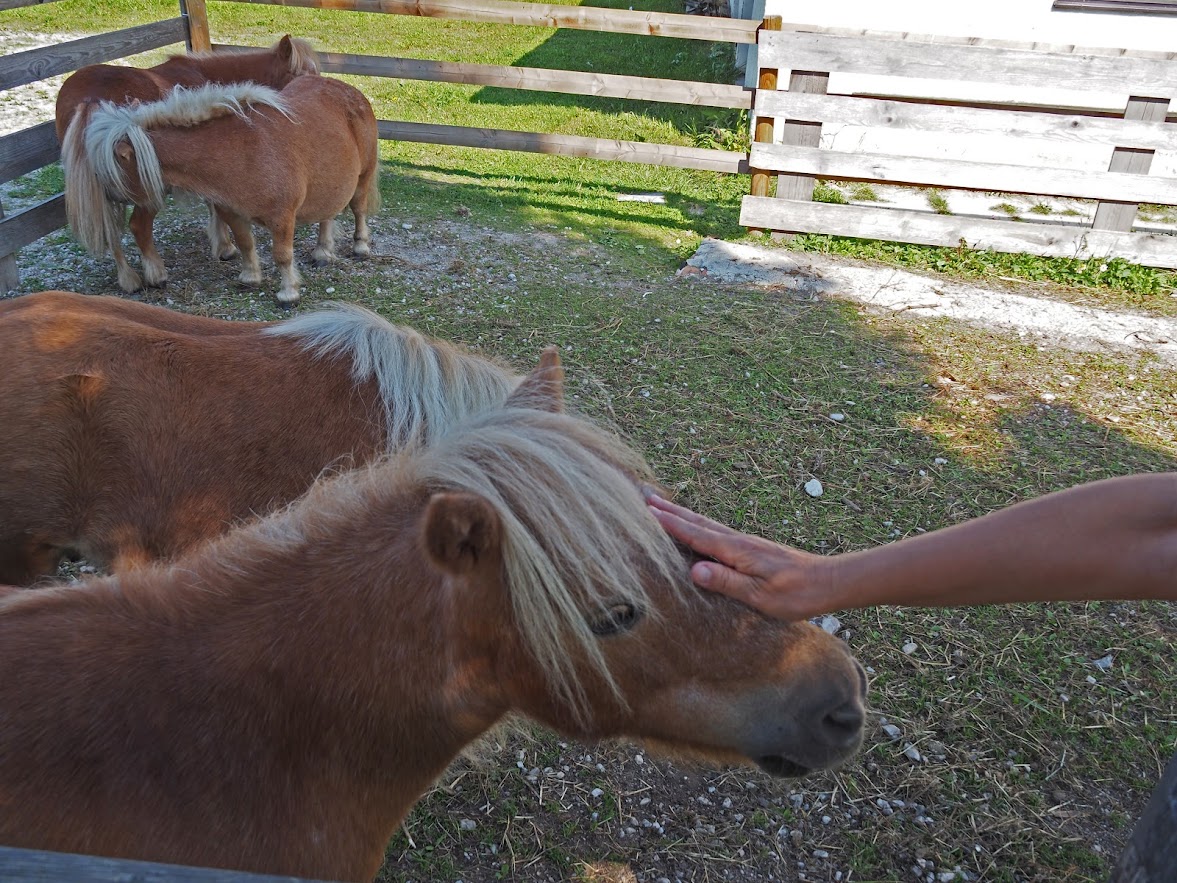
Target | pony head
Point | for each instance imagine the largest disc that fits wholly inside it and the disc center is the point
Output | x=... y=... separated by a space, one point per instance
x=586 y=608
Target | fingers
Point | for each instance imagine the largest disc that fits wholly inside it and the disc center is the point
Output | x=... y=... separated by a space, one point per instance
x=699 y=536
x=658 y=504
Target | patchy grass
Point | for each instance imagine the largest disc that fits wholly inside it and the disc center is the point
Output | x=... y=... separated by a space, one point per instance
x=1029 y=770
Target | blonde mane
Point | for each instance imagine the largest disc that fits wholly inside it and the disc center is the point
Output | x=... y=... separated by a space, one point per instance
x=304 y=59
x=426 y=385
x=578 y=538
x=112 y=123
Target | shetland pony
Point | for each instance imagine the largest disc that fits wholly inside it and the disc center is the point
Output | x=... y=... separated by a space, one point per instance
x=130 y=432
x=278 y=699
x=273 y=67
x=278 y=159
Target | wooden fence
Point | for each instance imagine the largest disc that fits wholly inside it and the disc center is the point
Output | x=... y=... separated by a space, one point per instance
x=802 y=101
x=38 y=866
x=33 y=148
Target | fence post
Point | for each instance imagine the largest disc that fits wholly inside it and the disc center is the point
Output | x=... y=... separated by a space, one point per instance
x=196 y=17
x=1120 y=215
x=763 y=130
x=9 y=273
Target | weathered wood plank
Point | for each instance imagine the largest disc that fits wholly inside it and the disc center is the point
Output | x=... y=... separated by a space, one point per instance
x=589 y=18
x=801 y=133
x=29 y=225
x=538 y=79
x=1151 y=853
x=16 y=4
x=22 y=152
x=1117 y=7
x=1069 y=128
x=49 y=61
x=196 y=14
x=926 y=228
x=35 y=866
x=937 y=61
x=568 y=145
x=763 y=127
x=1129 y=160
x=956 y=174
x=9 y=272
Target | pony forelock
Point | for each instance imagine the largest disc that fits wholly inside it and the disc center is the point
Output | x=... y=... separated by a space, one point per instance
x=578 y=536
x=426 y=385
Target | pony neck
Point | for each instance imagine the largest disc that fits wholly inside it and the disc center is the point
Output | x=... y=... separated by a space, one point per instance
x=343 y=651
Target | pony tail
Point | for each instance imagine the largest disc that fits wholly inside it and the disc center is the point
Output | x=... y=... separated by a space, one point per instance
x=109 y=127
x=95 y=220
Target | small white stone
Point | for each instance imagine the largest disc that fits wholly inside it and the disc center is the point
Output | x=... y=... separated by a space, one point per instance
x=596 y=792
x=813 y=488
x=407 y=226
x=1104 y=663
x=910 y=648
x=939 y=461
x=893 y=731
x=467 y=824
x=830 y=624
x=837 y=416
x=331 y=289
x=912 y=753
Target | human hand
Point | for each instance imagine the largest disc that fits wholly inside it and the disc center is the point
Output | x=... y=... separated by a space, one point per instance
x=779 y=581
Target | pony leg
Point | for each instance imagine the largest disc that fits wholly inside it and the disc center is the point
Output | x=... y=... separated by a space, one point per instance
x=361 y=204
x=251 y=268
x=324 y=252
x=128 y=279
x=218 y=236
x=283 y=234
x=154 y=272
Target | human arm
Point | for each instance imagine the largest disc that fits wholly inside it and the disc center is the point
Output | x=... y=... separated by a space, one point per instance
x=1112 y=539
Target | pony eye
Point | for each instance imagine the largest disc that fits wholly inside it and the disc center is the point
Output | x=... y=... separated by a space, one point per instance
x=617 y=618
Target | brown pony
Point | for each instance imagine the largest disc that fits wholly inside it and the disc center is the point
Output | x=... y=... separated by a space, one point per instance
x=273 y=67
x=130 y=432
x=277 y=700
x=275 y=158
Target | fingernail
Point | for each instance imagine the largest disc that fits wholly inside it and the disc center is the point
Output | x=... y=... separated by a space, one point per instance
x=702 y=574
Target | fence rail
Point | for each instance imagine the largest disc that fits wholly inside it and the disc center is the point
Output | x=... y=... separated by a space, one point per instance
x=37 y=866
x=919 y=141
x=509 y=12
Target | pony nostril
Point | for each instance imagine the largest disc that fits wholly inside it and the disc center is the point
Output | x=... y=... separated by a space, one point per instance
x=843 y=725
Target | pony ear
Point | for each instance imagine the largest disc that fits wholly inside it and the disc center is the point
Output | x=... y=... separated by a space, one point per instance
x=285 y=48
x=543 y=388
x=124 y=151
x=461 y=532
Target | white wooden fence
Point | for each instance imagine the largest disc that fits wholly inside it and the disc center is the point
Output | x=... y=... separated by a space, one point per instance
x=802 y=61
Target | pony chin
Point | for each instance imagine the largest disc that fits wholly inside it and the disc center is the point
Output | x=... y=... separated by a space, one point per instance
x=777 y=766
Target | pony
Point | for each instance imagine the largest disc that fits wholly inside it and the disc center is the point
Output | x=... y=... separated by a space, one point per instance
x=256 y=155
x=278 y=699
x=288 y=58
x=131 y=432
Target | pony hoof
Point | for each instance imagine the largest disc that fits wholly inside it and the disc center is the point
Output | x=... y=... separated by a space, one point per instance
x=228 y=254
x=287 y=299
x=361 y=255
x=319 y=263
